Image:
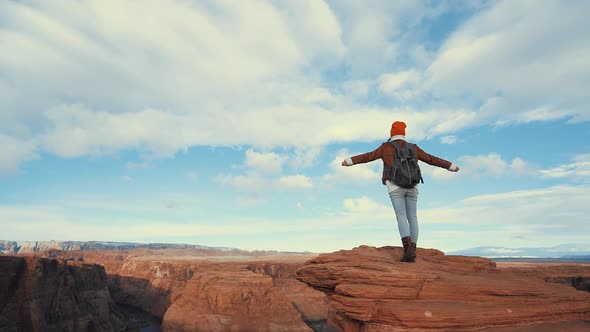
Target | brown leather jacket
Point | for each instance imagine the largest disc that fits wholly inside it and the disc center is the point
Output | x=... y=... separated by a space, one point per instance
x=387 y=152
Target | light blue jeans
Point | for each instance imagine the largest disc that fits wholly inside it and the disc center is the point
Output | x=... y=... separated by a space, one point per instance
x=405 y=203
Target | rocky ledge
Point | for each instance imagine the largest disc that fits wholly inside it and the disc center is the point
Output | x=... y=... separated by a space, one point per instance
x=370 y=290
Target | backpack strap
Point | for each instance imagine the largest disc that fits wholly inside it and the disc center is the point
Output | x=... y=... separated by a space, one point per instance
x=399 y=153
x=413 y=154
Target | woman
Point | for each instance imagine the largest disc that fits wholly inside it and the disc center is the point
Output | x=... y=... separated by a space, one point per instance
x=404 y=200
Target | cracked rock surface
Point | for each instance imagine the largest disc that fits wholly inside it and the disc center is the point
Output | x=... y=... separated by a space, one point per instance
x=370 y=290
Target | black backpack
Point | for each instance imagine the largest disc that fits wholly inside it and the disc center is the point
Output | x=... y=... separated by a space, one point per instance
x=405 y=171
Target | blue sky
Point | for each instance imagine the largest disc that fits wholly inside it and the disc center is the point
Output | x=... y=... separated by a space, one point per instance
x=224 y=123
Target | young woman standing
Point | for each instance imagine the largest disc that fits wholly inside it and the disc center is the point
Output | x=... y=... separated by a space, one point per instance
x=404 y=200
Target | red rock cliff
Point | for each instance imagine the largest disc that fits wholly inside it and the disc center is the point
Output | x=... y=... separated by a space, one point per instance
x=571 y=274
x=218 y=294
x=45 y=295
x=370 y=290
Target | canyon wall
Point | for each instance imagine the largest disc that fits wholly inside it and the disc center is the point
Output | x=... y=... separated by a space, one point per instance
x=214 y=293
x=45 y=295
x=363 y=289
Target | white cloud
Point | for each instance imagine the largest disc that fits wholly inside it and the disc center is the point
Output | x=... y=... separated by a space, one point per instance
x=31 y=222
x=356 y=88
x=150 y=203
x=578 y=169
x=263 y=171
x=250 y=183
x=521 y=167
x=257 y=183
x=490 y=165
x=364 y=205
x=449 y=139
x=319 y=29
x=459 y=119
x=198 y=49
x=544 y=113
x=320 y=95
x=15 y=151
x=498 y=54
x=519 y=195
x=438 y=173
x=494 y=165
x=421 y=55
x=186 y=68
x=393 y=82
x=305 y=157
x=270 y=162
x=508 y=219
x=39 y=230
x=368 y=172
x=376 y=33
x=293 y=182
x=511 y=219
x=526 y=207
x=530 y=207
x=140 y=77
x=177 y=75
x=76 y=130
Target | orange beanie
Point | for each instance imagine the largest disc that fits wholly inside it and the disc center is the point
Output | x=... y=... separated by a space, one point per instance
x=398 y=128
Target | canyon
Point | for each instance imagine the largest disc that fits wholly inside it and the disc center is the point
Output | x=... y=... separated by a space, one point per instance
x=29 y=247
x=40 y=294
x=362 y=289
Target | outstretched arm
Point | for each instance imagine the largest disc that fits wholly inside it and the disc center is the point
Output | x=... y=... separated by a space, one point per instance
x=364 y=158
x=436 y=161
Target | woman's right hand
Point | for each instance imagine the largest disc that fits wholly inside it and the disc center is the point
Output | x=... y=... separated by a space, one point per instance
x=344 y=163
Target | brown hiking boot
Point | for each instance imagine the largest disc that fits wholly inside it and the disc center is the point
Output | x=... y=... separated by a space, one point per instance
x=405 y=244
x=409 y=250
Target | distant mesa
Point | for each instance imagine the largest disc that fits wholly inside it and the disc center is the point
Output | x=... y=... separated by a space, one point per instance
x=27 y=247
x=572 y=252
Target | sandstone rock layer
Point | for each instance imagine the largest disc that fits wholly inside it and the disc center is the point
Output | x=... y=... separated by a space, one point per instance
x=45 y=295
x=192 y=291
x=571 y=274
x=370 y=290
